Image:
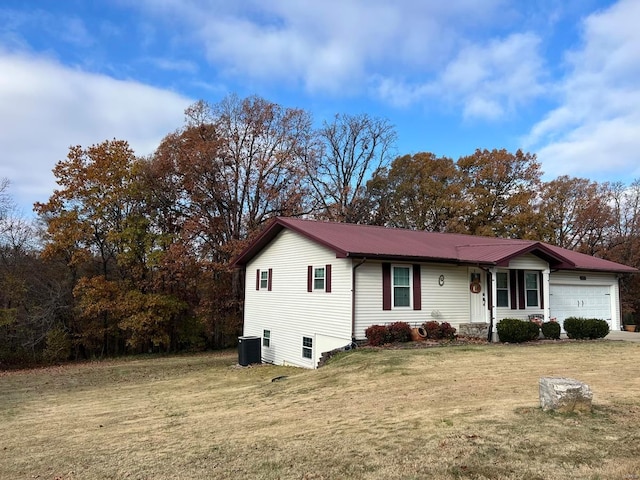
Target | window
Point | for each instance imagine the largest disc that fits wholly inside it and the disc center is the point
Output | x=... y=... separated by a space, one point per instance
x=307 y=347
x=401 y=287
x=266 y=338
x=531 y=288
x=263 y=279
x=318 y=278
x=502 y=283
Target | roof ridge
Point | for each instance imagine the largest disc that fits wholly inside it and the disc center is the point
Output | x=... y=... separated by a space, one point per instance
x=421 y=245
x=382 y=227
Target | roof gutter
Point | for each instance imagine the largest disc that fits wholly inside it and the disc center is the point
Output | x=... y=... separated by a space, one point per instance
x=353 y=298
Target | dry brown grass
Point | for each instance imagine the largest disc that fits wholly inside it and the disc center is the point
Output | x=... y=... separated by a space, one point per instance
x=466 y=412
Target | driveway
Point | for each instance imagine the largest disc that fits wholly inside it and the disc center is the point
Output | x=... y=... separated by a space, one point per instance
x=626 y=336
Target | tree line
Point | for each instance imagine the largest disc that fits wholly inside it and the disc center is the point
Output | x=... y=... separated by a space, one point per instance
x=131 y=254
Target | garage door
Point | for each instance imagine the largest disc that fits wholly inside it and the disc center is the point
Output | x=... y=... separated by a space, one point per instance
x=588 y=301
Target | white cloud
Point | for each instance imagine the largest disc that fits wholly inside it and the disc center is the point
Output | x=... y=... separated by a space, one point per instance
x=491 y=80
x=402 y=52
x=594 y=131
x=45 y=108
x=485 y=80
x=331 y=46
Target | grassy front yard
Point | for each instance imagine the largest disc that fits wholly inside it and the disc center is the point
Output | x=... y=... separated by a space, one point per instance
x=467 y=412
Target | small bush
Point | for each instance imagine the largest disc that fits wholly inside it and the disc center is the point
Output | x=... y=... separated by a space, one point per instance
x=599 y=328
x=551 y=330
x=377 y=335
x=439 y=331
x=399 y=332
x=447 y=331
x=573 y=327
x=432 y=328
x=394 y=332
x=628 y=319
x=513 y=330
x=582 y=328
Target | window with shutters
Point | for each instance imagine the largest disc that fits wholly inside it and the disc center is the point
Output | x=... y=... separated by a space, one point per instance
x=531 y=289
x=318 y=278
x=264 y=279
x=502 y=285
x=401 y=286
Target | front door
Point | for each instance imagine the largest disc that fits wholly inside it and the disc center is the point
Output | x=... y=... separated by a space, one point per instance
x=478 y=295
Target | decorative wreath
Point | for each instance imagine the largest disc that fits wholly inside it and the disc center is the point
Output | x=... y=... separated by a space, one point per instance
x=475 y=287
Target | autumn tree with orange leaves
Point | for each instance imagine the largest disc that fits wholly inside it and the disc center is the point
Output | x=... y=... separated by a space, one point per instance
x=418 y=191
x=98 y=223
x=232 y=166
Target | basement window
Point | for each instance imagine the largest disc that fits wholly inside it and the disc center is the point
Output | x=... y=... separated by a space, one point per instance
x=307 y=347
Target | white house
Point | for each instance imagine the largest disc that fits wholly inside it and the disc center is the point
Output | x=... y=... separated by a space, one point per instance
x=315 y=286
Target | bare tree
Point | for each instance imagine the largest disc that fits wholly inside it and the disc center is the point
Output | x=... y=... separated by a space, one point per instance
x=238 y=163
x=6 y=203
x=351 y=148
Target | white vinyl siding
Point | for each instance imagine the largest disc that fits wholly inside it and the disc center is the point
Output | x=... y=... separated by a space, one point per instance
x=448 y=302
x=305 y=314
x=528 y=262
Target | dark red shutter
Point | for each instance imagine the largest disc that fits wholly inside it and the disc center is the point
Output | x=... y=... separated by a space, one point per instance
x=386 y=286
x=513 y=289
x=269 y=279
x=327 y=278
x=258 y=279
x=521 y=296
x=309 y=278
x=541 y=276
x=417 y=290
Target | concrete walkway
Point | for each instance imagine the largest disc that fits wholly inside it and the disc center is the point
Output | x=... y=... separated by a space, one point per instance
x=626 y=336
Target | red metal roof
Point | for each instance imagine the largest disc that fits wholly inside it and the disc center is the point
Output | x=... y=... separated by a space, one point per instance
x=359 y=241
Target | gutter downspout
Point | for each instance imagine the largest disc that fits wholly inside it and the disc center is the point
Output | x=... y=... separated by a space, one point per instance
x=491 y=303
x=353 y=299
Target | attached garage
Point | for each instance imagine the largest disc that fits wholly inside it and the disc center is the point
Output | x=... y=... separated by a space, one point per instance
x=592 y=296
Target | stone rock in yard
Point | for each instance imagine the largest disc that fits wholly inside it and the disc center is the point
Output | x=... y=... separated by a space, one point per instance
x=564 y=395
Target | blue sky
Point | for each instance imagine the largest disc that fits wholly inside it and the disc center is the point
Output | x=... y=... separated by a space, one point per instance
x=559 y=78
